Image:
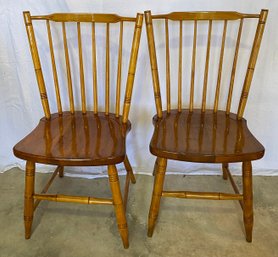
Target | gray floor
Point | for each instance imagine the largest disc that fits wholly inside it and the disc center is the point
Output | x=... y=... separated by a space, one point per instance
x=184 y=228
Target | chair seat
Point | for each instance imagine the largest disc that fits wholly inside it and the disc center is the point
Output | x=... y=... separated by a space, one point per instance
x=76 y=139
x=204 y=137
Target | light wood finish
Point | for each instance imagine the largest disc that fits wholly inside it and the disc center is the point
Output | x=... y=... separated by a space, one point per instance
x=205 y=85
x=84 y=17
x=81 y=137
x=206 y=135
x=236 y=190
x=252 y=63
x=232 y=80
x=129 y=170
x=118 y=203
x=247 y=199
x=54 y=70
x=180 y=70
x=94 y=59
x=28 y=197
x=132 y=66
x=217 y=91
x=129 y=177
x=119 y=74
x=70 y=91
x=81 y=70
x=191 y=103
x=153 y=61
x=202 y=195
x=107 y=70
x=157 y=193
x=46 y=187
x=168 y=80
x=177 y=16
x=73 y=199
x=37 y=63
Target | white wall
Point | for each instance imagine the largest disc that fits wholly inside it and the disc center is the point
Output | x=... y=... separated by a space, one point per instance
x=20 y=107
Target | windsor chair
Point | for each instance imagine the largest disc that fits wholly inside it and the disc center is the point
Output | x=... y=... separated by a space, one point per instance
x=202 y=132
x=89 y=137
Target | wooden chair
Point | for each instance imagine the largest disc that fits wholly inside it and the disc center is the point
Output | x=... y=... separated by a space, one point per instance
x=202 y=133
x=80 y=138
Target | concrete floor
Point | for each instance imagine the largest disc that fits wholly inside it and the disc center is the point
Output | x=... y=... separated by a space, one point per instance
x=184 y=228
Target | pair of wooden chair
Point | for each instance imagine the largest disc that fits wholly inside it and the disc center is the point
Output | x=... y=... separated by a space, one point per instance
x=92 y=137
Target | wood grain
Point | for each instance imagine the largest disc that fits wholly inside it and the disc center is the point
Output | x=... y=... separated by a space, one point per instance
x=177 y=136
x=65 y=145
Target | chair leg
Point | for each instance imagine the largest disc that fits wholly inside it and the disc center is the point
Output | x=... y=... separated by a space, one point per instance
x=247 y=199
x=118 y=204
x=157 y=191
x=155 y=167
x=28 y=197
x=225 y=166
x=61 y=171
x=129 y=170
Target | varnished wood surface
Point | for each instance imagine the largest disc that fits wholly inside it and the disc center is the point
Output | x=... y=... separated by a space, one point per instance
x=209 y=17
x=204 y=137
x=83 y=17
x=78 y=139
x=218 y=15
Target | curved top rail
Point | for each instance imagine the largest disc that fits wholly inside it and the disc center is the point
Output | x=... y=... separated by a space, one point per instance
x=83 y=17
x=204 y=16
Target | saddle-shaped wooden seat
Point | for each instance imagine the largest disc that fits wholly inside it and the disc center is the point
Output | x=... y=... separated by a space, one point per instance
x=203 y=137
x=79 y=139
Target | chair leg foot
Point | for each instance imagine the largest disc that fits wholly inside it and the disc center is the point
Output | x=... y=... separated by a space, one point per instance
x=118 y=204
x=129 y=170
x=28 y=198
x=151 y=225
x=247 y=199
x=225 y=166
x=61 y=171
x=156 y=196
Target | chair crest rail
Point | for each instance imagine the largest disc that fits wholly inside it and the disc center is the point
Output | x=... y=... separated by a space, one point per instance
x=176 y=16
x=83 y=17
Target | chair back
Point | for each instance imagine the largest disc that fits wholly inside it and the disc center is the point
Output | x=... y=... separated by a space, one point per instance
x=202 y=56
x=75 y=52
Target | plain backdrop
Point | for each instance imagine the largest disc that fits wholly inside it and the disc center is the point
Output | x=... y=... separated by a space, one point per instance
x=20 y=107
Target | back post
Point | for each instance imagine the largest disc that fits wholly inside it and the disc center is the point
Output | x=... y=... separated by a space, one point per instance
x=37 y=64
x=132 y=66
x=153 y=60
x=252 y=63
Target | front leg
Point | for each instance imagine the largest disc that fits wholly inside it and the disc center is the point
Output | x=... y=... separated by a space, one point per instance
x=118 y=204
x=28 y=197
x=247 y=199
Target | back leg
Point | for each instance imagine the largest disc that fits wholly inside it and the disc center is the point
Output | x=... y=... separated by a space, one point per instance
x=157 y=192
x=225 y=167
x=129 y=170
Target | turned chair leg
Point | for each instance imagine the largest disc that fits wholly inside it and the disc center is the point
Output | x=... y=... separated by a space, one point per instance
x=28 y=197
x=247 y=199
x=118 y=204
x=157 y=191
x=225 y=166
x=129 y=170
